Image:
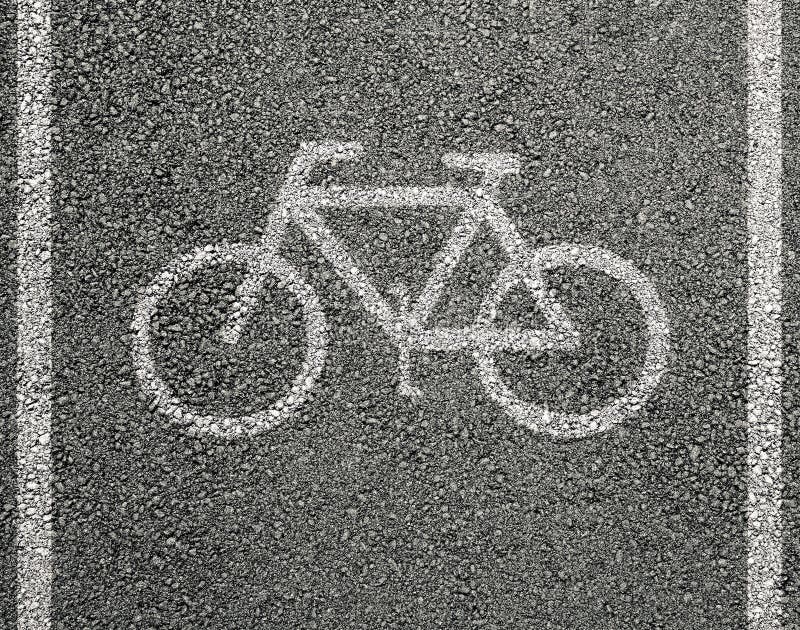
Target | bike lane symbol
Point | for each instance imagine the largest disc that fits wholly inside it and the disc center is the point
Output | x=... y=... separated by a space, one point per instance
x=300 y=204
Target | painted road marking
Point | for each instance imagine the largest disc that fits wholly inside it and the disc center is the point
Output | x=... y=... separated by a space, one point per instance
x=34 y=316
x=764 y=419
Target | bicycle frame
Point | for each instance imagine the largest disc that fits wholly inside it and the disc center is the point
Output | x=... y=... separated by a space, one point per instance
x=299 y=204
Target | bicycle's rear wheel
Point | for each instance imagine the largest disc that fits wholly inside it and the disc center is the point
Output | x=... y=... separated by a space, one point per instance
x=257 y=261
x=568 y=425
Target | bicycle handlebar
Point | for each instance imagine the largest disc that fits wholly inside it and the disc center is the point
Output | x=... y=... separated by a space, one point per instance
x=497 y=164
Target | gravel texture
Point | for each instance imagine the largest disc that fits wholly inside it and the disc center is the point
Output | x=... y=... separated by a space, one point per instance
x=176 y=123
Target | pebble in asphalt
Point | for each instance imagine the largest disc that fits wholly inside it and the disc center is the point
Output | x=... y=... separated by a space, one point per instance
x=176 y=124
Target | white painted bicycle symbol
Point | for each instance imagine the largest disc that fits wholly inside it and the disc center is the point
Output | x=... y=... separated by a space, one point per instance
x=299 y=203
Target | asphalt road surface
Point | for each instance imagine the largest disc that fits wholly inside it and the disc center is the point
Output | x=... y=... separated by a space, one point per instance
x=175 y=124
x=791 y=322
x=7 y=315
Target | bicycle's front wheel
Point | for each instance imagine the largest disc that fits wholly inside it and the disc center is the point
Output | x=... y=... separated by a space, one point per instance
x=258 y=262
x=574 y=425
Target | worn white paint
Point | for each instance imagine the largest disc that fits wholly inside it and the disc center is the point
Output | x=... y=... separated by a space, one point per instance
x=765 y=344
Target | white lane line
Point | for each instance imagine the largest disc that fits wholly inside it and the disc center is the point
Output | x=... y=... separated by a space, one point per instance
x=34 y=315
x=764 y=205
